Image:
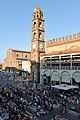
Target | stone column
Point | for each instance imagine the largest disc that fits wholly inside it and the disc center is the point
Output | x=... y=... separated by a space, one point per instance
x=71 y=80
x=60 y=79
x=41 y=79
x=60 y=62
x=71 y=61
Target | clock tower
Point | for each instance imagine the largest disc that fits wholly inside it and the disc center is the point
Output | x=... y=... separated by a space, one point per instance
x=37 y=43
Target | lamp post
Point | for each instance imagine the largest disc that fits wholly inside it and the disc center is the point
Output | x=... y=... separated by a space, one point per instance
x=71 y=80
x=44 y=78
x=50 y=73
x=60 y=79
x=34 y=81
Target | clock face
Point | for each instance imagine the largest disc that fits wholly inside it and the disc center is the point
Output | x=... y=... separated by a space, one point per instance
x=34 y=46
x=41 y=46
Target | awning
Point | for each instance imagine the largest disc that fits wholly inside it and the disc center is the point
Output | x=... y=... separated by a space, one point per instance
x=64 y=86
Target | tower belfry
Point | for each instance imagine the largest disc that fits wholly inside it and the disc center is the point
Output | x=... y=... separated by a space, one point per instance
x=37 y=13
x=37 y=43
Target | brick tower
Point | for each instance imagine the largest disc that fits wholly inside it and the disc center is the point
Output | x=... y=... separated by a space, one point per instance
x=37 y=43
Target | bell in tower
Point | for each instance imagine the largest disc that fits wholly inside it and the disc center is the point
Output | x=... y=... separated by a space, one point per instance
x=37 y=43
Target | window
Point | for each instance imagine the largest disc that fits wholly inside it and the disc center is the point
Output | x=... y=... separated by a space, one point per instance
x=37 y=16
x=40 y=35
x=17 y=55
x=40 y=25
x=34 y=24
x=34 y=35
x=26 y=56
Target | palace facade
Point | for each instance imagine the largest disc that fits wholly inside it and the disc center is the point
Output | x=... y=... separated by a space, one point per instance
x=61 y=61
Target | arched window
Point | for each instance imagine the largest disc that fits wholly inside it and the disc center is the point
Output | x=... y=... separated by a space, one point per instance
x=17 y=55
x=26 y=56
x=34 y=35
x=37 y=16
x=40 y=35
x=34 y=24
x=40 y=25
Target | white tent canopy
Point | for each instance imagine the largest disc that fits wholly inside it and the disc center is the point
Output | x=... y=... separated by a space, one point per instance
x=64 y=86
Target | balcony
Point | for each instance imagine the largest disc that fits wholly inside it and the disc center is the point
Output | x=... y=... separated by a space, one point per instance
x=61 y=67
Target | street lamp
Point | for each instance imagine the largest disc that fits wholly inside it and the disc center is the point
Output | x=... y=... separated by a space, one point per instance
x=50 y=73
x=34 y=80
x=44 y=78
x=60 y=79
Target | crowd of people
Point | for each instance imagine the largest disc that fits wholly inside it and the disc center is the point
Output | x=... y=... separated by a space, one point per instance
x=12 y=104
x=48 y=98
x=16 y=104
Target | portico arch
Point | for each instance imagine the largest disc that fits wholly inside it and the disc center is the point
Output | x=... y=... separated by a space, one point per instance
x=76 y=76
x=46 y=77
x=55 y=76
x=46 y=72
x=66 y=77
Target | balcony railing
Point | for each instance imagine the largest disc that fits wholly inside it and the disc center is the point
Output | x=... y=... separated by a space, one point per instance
x=61 y=67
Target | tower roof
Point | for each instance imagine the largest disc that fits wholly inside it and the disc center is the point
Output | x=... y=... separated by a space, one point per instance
x=37 y=9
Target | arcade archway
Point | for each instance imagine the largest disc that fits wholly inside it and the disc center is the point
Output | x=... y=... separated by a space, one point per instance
x=76 y=76
x=66 y=78
x=55 y=78
x=46 y=77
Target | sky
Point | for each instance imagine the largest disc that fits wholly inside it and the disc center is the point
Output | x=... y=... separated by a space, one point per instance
x=62 y=18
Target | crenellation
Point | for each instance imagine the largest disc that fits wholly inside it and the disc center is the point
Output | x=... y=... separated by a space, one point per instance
x=50 y=41
x=66 y=38
x=63 y=39
x=70 y=37
x=56 y=41
x=74 y=36
x=60 y=40
x=78 y=35
x=53 y=41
